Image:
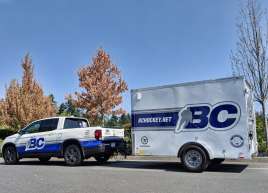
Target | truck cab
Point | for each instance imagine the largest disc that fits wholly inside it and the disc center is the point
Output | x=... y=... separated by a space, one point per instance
x=70 y=138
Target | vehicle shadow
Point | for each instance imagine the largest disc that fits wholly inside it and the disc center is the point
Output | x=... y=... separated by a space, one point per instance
x=148 y=165
x=228 y=168
x=176 y=166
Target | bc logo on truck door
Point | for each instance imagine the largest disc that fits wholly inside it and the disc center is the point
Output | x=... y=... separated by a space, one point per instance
x=35 y=144
x=221 y=116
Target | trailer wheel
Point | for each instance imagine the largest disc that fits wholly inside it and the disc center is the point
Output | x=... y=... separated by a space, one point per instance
x=194 y=159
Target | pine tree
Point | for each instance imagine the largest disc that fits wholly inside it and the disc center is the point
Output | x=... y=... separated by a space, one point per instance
x=112 y=121
x=68 y=109
x=124 y=119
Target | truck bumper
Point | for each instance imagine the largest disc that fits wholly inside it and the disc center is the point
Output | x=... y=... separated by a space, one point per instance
x=108 y=146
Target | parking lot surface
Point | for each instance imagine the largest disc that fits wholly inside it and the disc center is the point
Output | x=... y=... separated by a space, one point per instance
x=135 y=176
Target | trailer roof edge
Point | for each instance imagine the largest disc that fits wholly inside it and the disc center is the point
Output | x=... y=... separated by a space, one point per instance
x=189 y=83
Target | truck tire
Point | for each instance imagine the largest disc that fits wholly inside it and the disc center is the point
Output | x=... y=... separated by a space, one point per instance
x=10 y=155
x=102 y=158
x=194 y=159
x=72 y=155
x=44 y=159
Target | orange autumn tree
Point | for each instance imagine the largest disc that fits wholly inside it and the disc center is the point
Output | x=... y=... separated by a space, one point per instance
x=102 y=87
x=25 y=102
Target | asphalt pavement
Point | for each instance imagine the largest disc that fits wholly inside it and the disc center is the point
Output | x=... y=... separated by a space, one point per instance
x=133 y=176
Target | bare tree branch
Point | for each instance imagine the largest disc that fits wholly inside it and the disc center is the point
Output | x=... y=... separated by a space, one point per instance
x=250 y=58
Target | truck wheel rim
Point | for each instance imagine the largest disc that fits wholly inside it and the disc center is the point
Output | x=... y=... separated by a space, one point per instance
x=193 y=159
x=72 y=155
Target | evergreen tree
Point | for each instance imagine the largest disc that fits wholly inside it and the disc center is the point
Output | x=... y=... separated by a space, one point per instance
x=68 y=109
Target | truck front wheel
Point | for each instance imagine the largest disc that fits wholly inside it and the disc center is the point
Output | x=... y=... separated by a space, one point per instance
x=102 y=158
x=194 y=159
x=72 y=155
x=10 y=155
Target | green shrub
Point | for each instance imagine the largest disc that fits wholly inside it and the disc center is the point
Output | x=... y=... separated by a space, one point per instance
x=260 y=134
x=6 y=132
x=127 y=131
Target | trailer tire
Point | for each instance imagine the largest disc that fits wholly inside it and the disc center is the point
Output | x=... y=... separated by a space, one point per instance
x=194 y=158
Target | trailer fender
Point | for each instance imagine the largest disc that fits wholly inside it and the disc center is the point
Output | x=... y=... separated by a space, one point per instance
x=200 y=144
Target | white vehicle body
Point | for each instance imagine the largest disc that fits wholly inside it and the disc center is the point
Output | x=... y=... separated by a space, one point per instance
x=48 y=137
x=217 y=114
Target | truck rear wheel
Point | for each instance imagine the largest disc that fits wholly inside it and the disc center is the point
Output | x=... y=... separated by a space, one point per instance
x=194 y=159
x=10 y=155
x=72 y=155
x=102 y=158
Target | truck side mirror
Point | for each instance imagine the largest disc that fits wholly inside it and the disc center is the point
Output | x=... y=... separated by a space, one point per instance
x=21 y=132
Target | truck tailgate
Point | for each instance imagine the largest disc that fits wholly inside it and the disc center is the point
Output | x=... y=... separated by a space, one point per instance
x=112 y=132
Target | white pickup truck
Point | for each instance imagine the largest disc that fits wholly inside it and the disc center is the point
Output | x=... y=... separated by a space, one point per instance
x=67 y=137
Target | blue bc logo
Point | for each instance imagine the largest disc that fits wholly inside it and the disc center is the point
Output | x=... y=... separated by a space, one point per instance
x=35 y=144
x=221 y=116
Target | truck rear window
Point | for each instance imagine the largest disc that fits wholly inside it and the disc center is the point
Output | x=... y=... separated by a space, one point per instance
x=71 y=123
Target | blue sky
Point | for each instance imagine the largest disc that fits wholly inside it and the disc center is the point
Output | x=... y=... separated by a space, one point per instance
x=154 y=42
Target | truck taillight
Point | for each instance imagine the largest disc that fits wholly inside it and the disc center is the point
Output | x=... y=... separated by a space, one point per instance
x=98 y=134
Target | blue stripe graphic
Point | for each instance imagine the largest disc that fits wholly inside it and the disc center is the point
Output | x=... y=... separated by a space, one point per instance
x=166 y=119
x=47 y=149
x=52 y=148
x=90 y=144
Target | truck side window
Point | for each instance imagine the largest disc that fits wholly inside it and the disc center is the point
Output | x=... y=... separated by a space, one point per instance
x=71 y=123
x=32 y=128
x=48 y=125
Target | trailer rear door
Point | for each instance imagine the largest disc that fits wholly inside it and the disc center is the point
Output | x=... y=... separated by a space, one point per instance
x=253 y=145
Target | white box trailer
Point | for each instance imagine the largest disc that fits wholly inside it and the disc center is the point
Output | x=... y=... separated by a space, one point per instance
x=200 y=122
